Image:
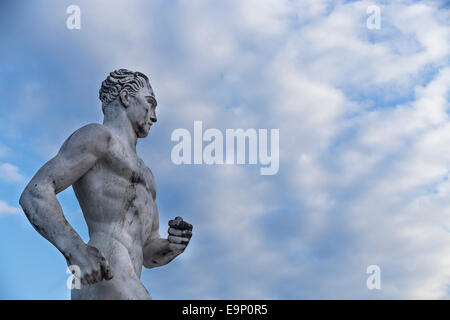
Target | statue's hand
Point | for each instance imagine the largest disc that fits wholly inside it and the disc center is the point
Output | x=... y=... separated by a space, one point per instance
x=180 y=233
x=93 y=265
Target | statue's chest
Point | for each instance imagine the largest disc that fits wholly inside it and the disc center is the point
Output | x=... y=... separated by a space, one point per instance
x=129 y=166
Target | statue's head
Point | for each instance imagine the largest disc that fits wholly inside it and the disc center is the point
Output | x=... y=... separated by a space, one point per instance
x=131 y=91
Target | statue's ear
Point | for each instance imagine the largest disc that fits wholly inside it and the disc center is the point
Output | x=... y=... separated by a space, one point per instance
x=125 y=98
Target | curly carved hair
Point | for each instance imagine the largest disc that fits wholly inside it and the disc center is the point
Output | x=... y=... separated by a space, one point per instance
x=119 y=80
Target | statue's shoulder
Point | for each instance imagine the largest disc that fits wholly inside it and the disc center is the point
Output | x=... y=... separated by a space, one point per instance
x=94 y=128
x=93 y=137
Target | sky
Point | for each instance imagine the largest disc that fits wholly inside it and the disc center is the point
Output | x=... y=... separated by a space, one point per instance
x=364 y=130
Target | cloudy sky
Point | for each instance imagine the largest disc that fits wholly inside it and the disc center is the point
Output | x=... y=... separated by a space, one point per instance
x=363 y=116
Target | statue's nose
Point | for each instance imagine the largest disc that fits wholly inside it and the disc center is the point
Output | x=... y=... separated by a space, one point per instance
x=152 y=116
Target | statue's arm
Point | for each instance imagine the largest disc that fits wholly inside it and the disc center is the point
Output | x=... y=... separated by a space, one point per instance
x=38 y=200
x=159 y=251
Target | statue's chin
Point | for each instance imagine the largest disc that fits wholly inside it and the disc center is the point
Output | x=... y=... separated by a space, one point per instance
x=142 y=133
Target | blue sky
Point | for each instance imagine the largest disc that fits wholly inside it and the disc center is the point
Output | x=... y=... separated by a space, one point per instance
x=364 y=134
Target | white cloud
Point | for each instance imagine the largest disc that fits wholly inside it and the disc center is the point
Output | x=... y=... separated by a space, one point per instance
x=6 y=209
x=367 y=186
x=10 y=173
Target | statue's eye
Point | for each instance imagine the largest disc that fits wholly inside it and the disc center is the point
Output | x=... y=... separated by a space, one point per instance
x=151 y=101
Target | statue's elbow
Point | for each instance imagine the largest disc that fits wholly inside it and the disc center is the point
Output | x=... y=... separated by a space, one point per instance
x=31 y=192
x=24 y=197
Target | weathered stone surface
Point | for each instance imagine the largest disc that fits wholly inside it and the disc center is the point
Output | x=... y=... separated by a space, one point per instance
x=116 y=192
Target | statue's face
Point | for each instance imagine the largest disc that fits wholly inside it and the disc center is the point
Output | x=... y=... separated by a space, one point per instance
x=141 y=111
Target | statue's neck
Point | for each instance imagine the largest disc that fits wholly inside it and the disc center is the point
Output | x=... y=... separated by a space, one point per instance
x=117 y=121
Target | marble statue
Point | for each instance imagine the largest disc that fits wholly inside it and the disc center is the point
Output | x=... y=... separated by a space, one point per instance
x=116 y=192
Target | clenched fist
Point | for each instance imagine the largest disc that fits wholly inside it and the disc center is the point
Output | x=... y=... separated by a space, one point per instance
x=93 y=265
x=180 y=233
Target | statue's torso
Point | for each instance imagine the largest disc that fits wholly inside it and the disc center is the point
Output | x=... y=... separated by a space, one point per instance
x=117 y=199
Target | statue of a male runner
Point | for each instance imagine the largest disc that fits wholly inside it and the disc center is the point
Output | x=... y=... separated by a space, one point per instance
x=116 y=192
